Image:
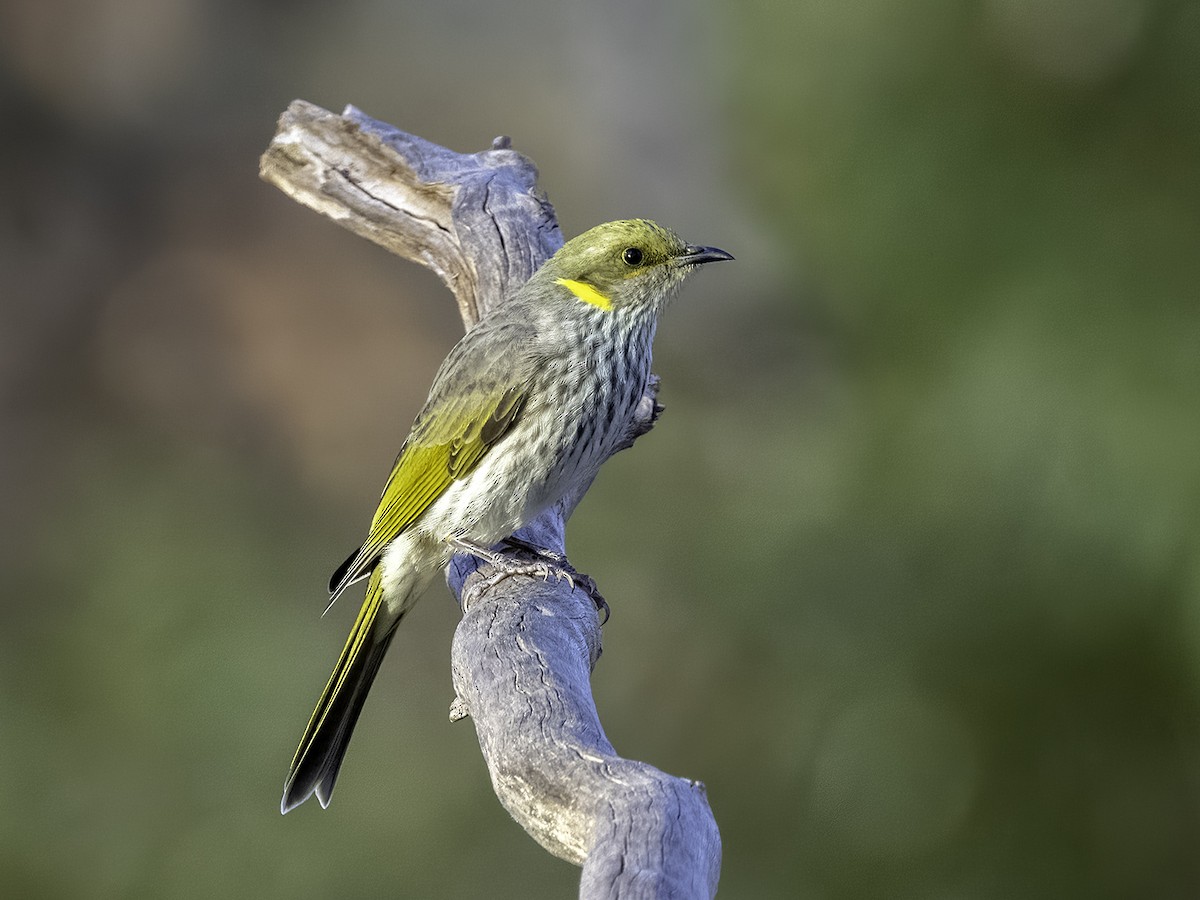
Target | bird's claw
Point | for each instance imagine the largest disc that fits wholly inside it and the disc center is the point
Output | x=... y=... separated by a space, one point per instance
x=564 y=570
x=548 y=563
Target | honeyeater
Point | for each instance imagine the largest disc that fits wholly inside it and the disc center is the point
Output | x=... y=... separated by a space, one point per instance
x=526 y=406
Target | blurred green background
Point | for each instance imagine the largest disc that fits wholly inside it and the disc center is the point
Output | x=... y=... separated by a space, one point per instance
x=909 y=574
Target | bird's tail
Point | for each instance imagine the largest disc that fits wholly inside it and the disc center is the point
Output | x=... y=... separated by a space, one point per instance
x=319 y=756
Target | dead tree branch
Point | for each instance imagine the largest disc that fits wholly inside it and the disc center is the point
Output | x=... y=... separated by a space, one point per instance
x=523 y=654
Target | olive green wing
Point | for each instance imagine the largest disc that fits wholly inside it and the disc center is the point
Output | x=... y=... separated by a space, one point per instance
x=449 y=438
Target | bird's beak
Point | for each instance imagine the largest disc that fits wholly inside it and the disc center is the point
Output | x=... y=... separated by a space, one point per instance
x=693 y=256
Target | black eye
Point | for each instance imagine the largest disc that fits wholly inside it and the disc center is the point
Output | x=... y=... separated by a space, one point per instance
x=632 y=256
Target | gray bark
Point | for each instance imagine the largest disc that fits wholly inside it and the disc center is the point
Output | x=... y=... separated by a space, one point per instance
x=523 y=653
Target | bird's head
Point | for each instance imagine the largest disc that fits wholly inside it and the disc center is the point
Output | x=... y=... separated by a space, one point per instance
x=633 y=264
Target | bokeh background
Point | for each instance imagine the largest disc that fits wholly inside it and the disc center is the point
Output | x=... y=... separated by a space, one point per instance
x=909 y=574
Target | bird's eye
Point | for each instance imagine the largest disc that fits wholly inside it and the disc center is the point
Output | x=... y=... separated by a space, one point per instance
x=632 y=256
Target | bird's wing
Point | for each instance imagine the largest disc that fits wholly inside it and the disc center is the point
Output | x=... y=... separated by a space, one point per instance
x=475 y=400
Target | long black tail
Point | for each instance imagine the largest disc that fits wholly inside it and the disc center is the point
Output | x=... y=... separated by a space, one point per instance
x=319 y=756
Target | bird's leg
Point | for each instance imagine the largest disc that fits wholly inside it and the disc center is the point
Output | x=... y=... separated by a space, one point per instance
x=509 y=566
x=523 y=546
x=559 y=562
x=548 y=563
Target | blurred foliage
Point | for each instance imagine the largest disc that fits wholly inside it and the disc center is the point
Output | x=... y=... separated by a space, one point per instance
x=909 y=574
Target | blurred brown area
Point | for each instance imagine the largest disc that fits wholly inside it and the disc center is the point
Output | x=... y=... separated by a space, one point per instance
x=909 y=573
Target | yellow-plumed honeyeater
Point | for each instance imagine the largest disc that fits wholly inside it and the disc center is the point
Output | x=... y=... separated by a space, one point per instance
x=523 y=409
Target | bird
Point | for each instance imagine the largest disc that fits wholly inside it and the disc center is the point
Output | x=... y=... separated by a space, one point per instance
x=524 y=408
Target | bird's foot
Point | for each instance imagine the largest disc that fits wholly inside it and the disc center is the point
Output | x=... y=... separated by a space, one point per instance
x=546 y=563
x=558 y=562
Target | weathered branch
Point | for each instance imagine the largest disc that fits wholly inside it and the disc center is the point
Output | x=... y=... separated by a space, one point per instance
x=474 y=219
x=523 y=654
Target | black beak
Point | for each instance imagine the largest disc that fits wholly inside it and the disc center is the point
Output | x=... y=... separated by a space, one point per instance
x=693 y=256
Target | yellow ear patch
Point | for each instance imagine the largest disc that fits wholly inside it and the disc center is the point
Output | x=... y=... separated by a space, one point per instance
x=585 y=292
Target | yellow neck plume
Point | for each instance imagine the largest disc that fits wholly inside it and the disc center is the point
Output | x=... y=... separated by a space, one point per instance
x=585 y=292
